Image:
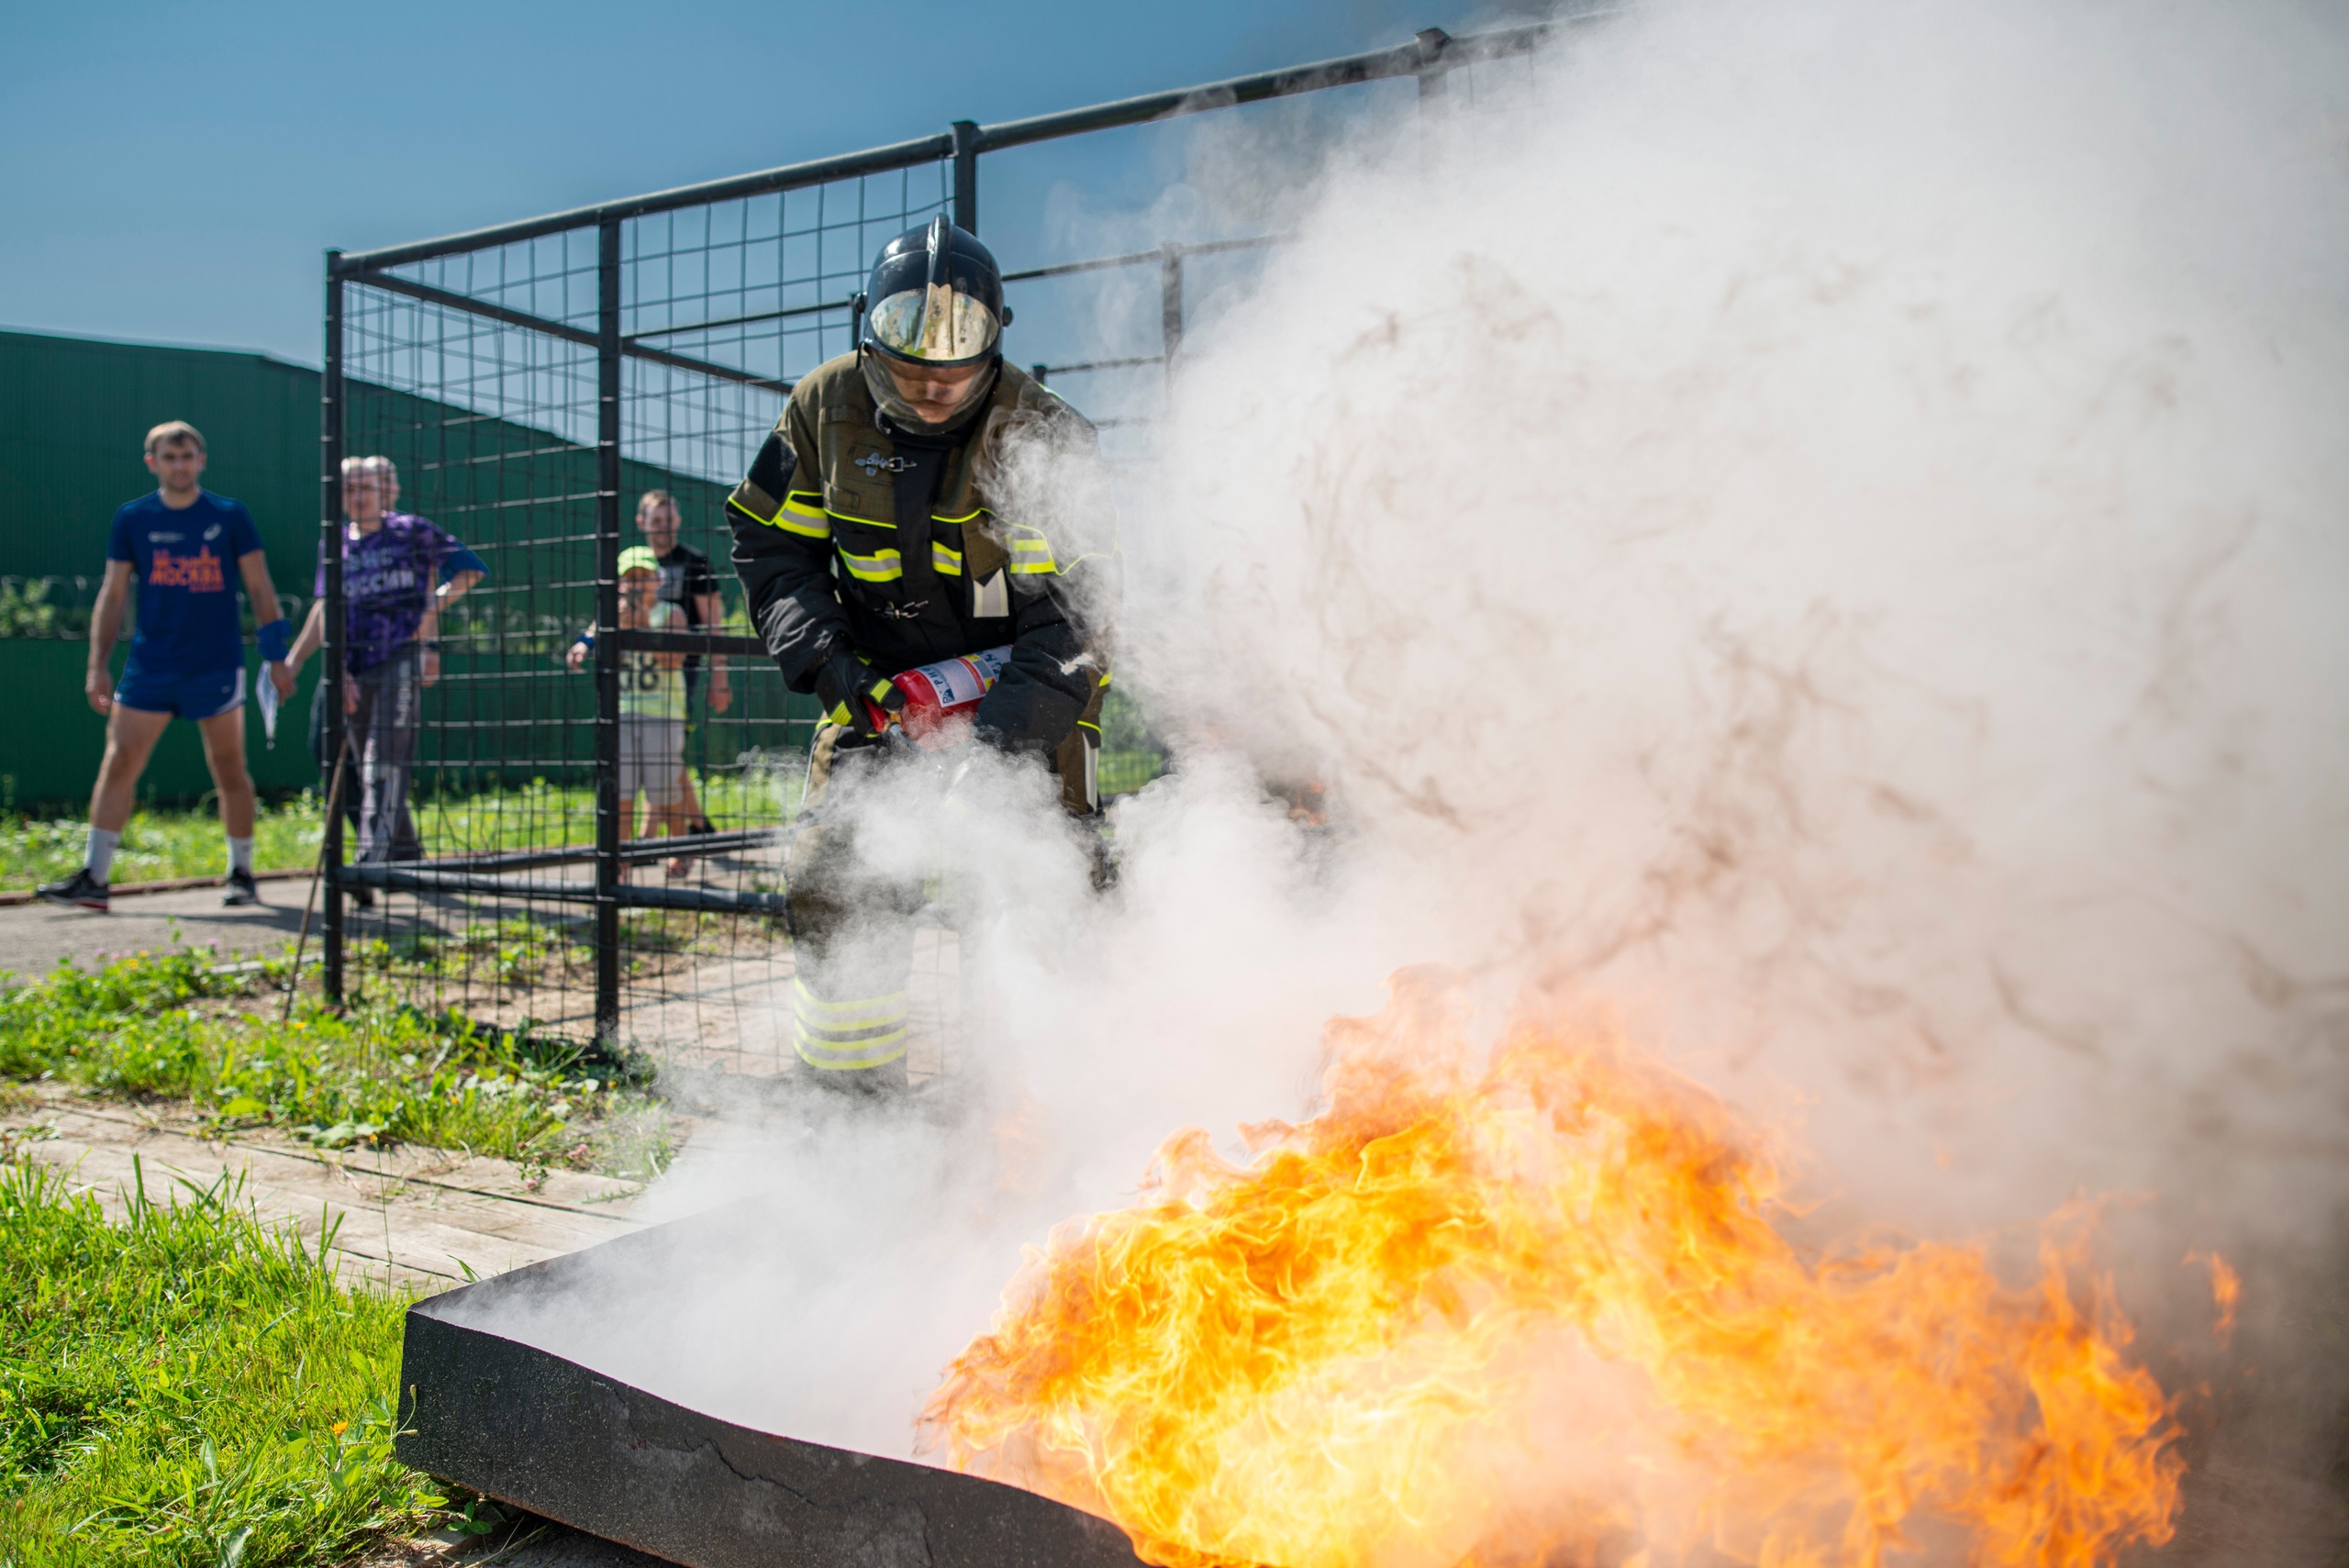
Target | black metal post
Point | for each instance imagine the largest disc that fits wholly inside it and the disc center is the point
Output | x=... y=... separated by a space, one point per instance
x=608 y=831
x=329 y=687
x=1170 y=300
x=1378 y=65
x=1433 y=42
x=966 y=175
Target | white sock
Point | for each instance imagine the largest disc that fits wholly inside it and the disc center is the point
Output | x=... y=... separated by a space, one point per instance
x=240 y=855
x=97 y=855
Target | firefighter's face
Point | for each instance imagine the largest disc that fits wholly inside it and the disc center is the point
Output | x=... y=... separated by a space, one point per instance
x=936 y=393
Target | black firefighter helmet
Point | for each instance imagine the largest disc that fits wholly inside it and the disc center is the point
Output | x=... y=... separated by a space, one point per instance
x=935 y=301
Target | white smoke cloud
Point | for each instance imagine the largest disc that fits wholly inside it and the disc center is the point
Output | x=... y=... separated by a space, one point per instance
x=1826 y=527
x=1841 y=516
x=1824 y=524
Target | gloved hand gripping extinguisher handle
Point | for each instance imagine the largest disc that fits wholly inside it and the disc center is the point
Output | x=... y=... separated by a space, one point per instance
x=852 y=690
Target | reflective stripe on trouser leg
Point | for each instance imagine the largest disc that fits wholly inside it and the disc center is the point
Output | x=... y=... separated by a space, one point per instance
x=842 y=1034
x=853 y=936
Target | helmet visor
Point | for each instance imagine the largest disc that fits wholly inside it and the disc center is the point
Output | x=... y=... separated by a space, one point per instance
x=937 y=323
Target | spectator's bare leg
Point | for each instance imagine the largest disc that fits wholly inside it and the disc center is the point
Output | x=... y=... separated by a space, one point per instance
x=223 y=753
x=637 y=821
x=691 y=802
x=674 y=821
x=131 y=734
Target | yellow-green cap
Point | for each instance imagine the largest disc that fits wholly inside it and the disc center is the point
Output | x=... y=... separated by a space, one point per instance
x=635 y=558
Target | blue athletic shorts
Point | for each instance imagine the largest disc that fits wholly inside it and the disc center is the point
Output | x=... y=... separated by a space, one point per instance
x=184 y=696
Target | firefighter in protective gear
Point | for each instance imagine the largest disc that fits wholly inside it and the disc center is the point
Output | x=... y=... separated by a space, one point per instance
x=920 y=499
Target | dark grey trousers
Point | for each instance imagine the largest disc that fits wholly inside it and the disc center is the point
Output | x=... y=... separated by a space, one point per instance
x=383 y=730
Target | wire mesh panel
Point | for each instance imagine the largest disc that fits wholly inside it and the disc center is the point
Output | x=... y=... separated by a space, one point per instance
x=476 y=745
x=564 y=767
x=753 y=293
x=485 y=429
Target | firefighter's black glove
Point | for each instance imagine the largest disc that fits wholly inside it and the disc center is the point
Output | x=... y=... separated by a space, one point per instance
x=851 y=691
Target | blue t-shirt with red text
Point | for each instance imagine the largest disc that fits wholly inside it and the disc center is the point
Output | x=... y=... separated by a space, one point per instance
x=186 y=563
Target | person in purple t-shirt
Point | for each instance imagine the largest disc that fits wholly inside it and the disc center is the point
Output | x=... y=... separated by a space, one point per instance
x=400 y=575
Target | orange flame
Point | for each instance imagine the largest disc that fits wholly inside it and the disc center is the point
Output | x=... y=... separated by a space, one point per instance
x=1539 y=1306
x=2226 y=1292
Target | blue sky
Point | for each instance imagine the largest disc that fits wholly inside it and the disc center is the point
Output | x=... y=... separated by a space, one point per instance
x=173 y=172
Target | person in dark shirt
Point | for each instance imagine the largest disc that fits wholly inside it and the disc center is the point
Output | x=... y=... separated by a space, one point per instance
x=400 y=575
x=187 y=654
x=688 y=582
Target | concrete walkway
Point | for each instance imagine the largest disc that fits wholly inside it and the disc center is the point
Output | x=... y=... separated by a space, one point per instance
x=34 y=936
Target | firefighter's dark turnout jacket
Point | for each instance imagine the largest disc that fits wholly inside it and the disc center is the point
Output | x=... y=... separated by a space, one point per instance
x=851 y=533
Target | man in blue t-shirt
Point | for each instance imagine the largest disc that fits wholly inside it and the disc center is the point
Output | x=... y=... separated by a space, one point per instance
x=187 y=655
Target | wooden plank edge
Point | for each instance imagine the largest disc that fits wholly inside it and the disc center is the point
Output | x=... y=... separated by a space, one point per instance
x=266 y=1176
x=295 y=1152
x=103 y=1172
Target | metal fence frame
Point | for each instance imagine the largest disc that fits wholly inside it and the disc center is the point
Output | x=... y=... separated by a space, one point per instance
x=1430 y=56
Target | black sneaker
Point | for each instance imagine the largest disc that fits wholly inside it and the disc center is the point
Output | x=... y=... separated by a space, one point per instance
x=81 y=891
x=240 y=890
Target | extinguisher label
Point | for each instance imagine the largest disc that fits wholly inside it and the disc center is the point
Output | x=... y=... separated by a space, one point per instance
x=960 y=683
x=956 y=682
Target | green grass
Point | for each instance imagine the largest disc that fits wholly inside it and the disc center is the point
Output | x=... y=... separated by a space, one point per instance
x=189 y=1388
x=158 y=845
x=162 y=843
x=168 y=1026
x=1122 y=773
x=192 y=1387
x=539 y=814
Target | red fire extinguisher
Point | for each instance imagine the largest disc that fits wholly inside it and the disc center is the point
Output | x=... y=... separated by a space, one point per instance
x=941 y=697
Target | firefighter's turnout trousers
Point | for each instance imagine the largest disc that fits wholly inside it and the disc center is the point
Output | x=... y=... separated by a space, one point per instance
x=852 y=939
x=853 y=928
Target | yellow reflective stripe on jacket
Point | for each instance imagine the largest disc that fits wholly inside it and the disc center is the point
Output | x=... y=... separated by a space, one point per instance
x=1031 y=552
x=798 y=516
x=882 y=566
x=961 y=521
x=950 y=561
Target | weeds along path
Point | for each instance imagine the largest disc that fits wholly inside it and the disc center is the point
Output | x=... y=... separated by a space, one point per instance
x=406 y=1215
